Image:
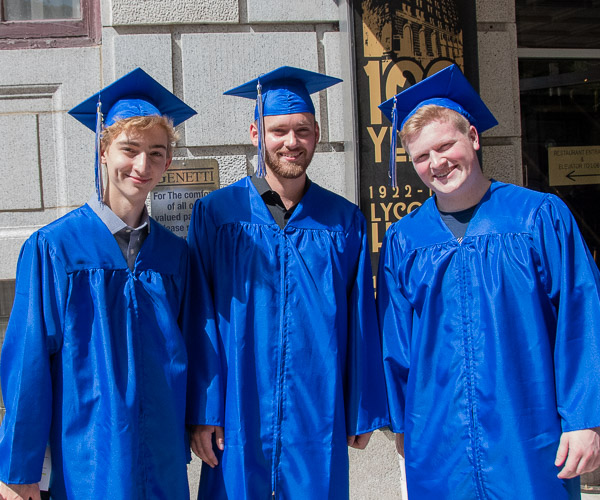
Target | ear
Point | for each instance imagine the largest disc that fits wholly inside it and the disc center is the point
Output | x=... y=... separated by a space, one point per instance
x=254 y=133
x=474 y=137
x=317 y=132
x=168 y=164
x=103 y=157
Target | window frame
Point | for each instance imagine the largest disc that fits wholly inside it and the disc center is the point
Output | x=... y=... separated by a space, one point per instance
x=53 y=33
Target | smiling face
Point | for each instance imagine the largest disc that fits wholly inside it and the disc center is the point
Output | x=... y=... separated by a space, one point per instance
x=445 y=158
x=135 y=162
x=290 y=142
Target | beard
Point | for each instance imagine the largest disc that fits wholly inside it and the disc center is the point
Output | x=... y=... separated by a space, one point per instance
x=286 y=169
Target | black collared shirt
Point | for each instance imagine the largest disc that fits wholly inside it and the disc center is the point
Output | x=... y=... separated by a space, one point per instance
x=273 y=200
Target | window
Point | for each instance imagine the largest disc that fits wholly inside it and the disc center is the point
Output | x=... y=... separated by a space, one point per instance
x=558 y=24
x=26 y=24
x=32 y=10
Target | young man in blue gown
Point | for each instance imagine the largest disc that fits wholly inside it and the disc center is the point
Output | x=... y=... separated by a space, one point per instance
x=489 y=307
x=94 y=361
x=285 y=369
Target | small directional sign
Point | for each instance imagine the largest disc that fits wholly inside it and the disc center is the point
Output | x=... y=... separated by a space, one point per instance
x=568 y=166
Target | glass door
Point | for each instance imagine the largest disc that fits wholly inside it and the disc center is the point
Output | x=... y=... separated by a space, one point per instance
x=560 y=120
x=559 y=75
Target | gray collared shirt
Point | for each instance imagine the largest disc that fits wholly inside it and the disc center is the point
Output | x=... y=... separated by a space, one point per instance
x=130 y=239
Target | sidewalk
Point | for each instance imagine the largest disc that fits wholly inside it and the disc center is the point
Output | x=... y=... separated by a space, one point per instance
x=194 y=477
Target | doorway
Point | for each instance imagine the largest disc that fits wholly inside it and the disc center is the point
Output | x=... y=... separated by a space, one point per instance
x=559 y=75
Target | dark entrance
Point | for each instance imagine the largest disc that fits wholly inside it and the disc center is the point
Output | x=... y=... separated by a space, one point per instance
x=559 y=71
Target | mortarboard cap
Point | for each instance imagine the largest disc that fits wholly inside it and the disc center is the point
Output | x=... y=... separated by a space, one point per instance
x=447 y=88
x=283 y=91
x=134 y=94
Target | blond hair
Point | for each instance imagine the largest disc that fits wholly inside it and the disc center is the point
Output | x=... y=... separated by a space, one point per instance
x=432 y=113
x=140 y=123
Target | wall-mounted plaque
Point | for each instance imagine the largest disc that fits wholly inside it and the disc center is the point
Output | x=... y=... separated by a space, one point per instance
x=186 y=181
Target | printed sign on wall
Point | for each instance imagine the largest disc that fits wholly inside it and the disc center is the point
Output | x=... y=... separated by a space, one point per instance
x=172 y=200
x=572 y=165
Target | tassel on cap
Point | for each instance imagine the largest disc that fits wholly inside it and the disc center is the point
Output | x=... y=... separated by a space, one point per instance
x=98 y=165
x=261 y=170
x=392 y=172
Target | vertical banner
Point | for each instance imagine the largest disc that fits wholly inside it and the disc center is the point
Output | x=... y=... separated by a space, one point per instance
x=399 y=43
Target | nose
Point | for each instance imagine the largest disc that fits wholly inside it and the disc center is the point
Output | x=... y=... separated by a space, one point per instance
x=436 y=159
x=291 y=140
x=142 y=162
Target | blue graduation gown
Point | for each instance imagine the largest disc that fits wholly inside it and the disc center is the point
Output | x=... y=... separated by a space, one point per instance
x=289 y=360
x=491 y=346
x=95 y=363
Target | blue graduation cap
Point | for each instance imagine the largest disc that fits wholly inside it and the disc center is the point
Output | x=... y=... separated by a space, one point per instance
x=447 y=88
x=283 y=91
x=134 y=94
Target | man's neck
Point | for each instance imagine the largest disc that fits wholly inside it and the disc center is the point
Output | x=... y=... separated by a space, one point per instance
x=455 y=202
x=129 y=212
x=290 y=190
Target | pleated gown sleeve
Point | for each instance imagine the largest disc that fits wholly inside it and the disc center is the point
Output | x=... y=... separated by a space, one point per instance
x=366 y=405
x=34 y=333
x=206 y=374
x=395 y=318
x=572 y=282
